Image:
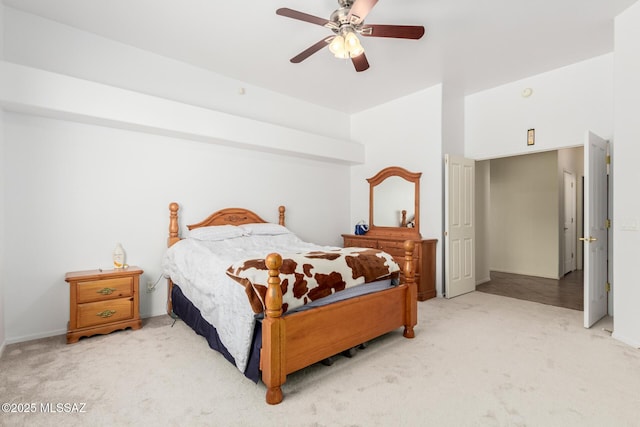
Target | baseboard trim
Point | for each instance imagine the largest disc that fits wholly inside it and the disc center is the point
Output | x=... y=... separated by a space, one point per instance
x=521 y=273
x=626 y=340
x=36 y=336
x=481 y=281
x=54 y=333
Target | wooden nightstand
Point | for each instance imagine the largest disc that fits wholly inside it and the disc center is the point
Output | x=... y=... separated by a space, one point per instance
x=102 y=301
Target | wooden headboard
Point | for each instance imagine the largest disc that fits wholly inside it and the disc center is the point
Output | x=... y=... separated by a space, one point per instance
x=233 y=216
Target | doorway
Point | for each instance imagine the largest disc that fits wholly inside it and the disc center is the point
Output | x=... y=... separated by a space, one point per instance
x=531 y=208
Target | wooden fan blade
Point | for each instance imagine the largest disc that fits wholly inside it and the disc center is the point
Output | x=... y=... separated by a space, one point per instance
x=360 y=9
x=395 y=31
x=294 y=14
x=360 y=62
x=311 y=50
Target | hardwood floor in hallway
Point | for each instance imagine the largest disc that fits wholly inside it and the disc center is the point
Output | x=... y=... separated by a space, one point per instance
x=567 y=292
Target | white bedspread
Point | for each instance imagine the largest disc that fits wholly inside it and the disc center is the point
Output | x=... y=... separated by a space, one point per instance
x=198 y=267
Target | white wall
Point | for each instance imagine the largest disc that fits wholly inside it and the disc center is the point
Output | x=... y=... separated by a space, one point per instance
x=2 y=222
x=90 y=175
x=405 y=132
x=524 y=215
x=565 y=104
x=626 y=152
x=75 y=190
x=453 y=137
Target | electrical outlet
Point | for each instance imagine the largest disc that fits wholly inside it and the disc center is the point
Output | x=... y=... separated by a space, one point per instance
x=150 y=287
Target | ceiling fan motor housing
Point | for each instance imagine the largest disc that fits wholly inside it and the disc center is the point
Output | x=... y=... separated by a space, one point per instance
x=340 y=19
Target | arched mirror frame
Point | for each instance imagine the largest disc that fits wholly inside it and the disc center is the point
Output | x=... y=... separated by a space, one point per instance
x=412 y=177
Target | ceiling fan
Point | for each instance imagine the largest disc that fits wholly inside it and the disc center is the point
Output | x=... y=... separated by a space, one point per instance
x=347 y=22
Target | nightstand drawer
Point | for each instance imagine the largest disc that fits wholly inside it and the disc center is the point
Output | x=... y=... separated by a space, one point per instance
x=98 y=313
x=100 y=290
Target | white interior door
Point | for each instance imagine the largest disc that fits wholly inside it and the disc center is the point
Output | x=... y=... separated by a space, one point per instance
x=569 y=194
x=595 y=229
x=459 y=238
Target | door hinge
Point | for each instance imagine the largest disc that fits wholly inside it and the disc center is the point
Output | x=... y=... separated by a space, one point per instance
x=608 y=287
x=607 y=223
x=608 y=159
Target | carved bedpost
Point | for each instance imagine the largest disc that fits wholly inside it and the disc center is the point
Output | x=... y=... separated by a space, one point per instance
x=281 y=216
x=272 y=354
x=412 y=293
x=173 y=238
x=173 y=224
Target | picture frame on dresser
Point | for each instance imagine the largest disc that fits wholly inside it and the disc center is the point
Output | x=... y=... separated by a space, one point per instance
x=394 y=217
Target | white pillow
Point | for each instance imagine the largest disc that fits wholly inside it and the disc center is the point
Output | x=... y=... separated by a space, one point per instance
x=217 y=232
x=264 y=229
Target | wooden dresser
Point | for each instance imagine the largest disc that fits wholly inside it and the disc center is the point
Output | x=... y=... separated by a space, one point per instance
x=102 y=301
x=424 y=256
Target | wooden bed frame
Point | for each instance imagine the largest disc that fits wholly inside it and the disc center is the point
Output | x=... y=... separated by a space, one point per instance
x=294 y=341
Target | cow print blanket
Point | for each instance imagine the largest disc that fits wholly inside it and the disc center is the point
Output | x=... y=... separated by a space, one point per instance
x=306 y=277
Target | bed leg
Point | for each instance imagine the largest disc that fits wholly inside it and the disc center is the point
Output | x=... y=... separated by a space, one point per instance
x=169 y=299
x=412 y=294
x=272 y=355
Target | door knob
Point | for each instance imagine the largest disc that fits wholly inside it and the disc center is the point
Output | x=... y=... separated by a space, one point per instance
x=588 y=239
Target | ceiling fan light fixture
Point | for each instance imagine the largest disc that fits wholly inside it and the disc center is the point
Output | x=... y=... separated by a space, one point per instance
x=352 y=45
x=347 y=46
x=337 y=46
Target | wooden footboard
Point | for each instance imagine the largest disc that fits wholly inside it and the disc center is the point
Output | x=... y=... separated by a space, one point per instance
x=298 y=340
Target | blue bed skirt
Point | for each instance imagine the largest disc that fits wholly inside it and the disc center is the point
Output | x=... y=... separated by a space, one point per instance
x=190 y=315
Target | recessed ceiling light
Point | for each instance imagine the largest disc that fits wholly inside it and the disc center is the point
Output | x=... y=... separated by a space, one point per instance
x=527 y=92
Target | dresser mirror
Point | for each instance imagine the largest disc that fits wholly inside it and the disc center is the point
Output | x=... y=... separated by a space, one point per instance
x=394 y=202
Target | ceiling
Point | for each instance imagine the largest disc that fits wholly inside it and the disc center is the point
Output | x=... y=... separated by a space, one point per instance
x=469 y=45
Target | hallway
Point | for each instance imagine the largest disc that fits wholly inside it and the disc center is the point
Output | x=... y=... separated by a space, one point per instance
x=567 y=292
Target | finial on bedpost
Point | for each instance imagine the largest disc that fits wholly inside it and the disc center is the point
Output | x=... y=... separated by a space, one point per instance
x=173 y=224
x=281 y=217
x=412 y=292
x=273 y=299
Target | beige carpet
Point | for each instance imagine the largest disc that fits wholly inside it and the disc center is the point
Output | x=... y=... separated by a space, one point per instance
x=477 y=360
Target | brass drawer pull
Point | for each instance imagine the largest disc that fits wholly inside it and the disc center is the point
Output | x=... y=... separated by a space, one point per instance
x=106 y=313
x=106 y=291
